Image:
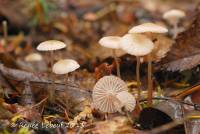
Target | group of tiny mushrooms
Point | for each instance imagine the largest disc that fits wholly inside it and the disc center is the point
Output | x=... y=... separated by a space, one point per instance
x=110 y=93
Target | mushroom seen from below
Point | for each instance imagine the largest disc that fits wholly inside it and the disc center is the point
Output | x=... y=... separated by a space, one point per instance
x=137 y=45
x=149 y=29
x=128 y=100
x=112 y=42
x=105 y=94
x=173 y=17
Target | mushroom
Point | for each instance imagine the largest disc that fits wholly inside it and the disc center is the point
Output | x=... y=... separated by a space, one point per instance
x=137 y=45
x=173 y=17
x=33 y=57
x=105 y=94
x=149 y=29
x=128 y=100
x=51 y=45
x=112 y=42
x=64 y=67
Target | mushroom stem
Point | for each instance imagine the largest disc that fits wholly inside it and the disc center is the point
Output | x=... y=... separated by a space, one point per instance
x=5 y=32
x=66 y=79
x=117 y=63
x=52 y=58
x=175 y=32
x=149 y=99
x=138 y=76
x=52 y=90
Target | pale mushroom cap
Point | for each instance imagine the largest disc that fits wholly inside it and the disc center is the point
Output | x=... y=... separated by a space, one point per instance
x=174 y=13
x=105 y=92
x=110 y=42
x=148 y=28
x=65 y=66
x=51 y=45
x=127 y=100
x=136 y=44
x=33 y=57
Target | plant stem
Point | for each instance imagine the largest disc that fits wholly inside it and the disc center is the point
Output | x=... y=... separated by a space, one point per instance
x=138 y=77
x=150 y=90
x=117 y=63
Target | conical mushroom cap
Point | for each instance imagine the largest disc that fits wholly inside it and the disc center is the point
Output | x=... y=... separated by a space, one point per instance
x=136 y=44
x=105 y=92
x=127 y=100
x=51 y=45
x=110 y=42
x=65 y=66
x=148 y=28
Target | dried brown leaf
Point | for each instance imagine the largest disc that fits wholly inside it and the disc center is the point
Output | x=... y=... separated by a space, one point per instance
x=117 y=125
x=185 y=54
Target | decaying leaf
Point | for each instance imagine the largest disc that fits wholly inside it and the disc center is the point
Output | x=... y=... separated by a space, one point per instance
x=117 y=125
x=185 y=54
x=85 y=114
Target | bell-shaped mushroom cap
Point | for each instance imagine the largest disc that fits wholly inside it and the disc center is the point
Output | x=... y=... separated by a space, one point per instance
x=174 y=13
x=127 y=100
x=148 y=28
x=110 y=42
x=51 y=45
x=65 y=66
x=136 y=44
x=33 y=57
x=105 y=92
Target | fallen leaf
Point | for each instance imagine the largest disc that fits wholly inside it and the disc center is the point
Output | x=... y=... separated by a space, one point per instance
x=185 y=54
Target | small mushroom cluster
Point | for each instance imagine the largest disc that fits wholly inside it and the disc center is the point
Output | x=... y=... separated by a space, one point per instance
x=61 y=67
x=110 y=94
x=139 y=41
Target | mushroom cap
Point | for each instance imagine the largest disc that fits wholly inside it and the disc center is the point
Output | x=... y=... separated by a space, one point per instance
x=51 y=45
x=127 y=100
x=105 y=92
x=136 y=44
x=148 y=27
x=65 y=66
x=110 y=42
x=33 y=57
x=174 y=13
